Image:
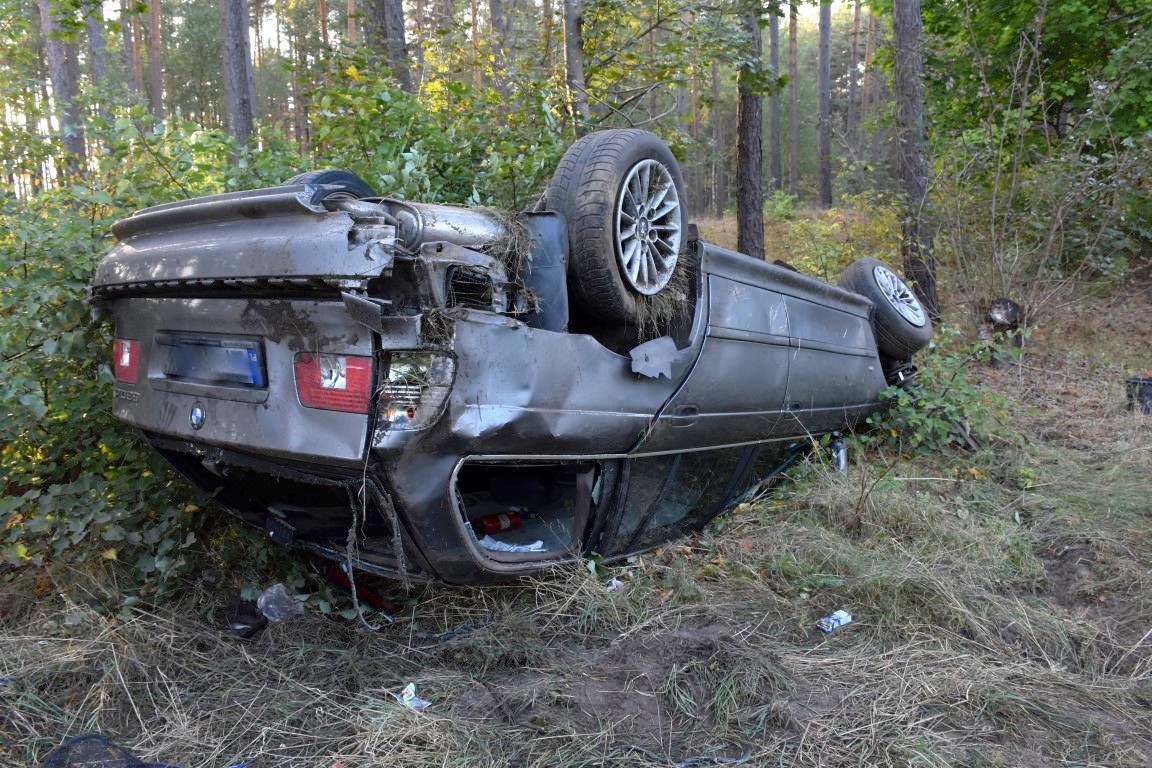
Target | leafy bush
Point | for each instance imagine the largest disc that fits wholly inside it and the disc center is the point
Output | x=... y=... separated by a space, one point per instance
x=76 y=484
x=944 y=401
x=468 y=147
x=824 y=244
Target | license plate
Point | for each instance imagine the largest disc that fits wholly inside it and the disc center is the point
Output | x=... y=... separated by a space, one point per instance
x=235 y=361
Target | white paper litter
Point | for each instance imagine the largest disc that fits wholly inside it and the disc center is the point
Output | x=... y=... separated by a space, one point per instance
x=494 y=545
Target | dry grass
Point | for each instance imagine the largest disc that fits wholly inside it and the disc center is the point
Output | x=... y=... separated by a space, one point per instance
x=1000 y=600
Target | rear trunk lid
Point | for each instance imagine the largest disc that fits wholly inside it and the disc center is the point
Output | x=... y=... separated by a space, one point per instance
x=268 y=238
x=228 y=299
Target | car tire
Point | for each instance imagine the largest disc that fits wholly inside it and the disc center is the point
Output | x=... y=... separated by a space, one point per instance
x=899 y=320
x=351 y=185
x=622 y=194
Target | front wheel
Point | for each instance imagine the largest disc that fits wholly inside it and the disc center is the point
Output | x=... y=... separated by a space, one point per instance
x=900 y=323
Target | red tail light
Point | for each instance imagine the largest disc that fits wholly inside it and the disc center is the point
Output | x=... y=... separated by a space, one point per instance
x=126 y=360
x=334 y=382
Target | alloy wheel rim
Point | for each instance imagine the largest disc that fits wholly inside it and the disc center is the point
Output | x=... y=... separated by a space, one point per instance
x=900 y=296
x=648 y=227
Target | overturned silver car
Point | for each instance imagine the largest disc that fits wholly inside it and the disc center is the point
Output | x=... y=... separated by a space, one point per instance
x=436 y=392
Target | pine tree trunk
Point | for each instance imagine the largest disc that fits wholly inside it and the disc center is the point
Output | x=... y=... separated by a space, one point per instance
x=445 y=12
x=699 y=166
x=258 y=33
x=386 y=36
x=155 y=61
x=793 y=102
x=574 y=65
x=873 y=99
x=127 y=47
x=97 y=53
x=548 y=25
x=477 y=79
x=749 y=153
x=775 y=160
x=62 y=69
x=719 y=151
x=353 y=38
x=323 y=9
x=237 y=68
x=501 y=25
x=419 y=26
x=97 y=50
x=824 y=105
x=912 y=150
x=852 y=120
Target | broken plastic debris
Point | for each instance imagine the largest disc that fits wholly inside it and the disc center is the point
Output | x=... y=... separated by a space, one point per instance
x=495 y=545
x=837 y=619
x=408 y=698
x=615 y=586
x=277 y=605
x=654 y=358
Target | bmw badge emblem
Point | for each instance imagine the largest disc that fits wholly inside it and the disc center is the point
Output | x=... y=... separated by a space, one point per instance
x=196 y=417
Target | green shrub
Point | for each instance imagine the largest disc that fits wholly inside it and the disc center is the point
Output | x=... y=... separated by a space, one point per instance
x=944 y=401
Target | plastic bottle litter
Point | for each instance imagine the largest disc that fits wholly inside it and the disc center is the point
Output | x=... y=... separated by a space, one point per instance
x=408 y=698
x=495 y=545
x=277 y=605
x=837 y=619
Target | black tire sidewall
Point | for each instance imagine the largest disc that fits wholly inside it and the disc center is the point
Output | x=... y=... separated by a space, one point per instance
x=586 y=191
x=349 y=183
x=896 y=337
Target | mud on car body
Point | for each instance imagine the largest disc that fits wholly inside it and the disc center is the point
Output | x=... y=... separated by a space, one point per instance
x=437 y=392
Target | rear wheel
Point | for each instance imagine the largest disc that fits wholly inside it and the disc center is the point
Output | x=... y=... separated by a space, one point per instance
x=901 y=324
x=622 y=194
x=350 y=185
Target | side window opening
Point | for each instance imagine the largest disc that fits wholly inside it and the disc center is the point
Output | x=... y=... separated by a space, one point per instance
x=672 y=495
x=529 y=511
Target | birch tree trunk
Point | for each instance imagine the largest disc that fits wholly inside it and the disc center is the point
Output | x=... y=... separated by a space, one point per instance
x=912 y=150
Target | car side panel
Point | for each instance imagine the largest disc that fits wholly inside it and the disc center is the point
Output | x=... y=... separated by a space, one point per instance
x=834 y=376
x=784 y=355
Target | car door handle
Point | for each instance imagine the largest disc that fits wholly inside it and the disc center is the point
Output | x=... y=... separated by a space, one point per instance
x=684 y=415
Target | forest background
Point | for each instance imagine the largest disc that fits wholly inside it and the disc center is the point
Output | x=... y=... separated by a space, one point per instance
x=1029 y=152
